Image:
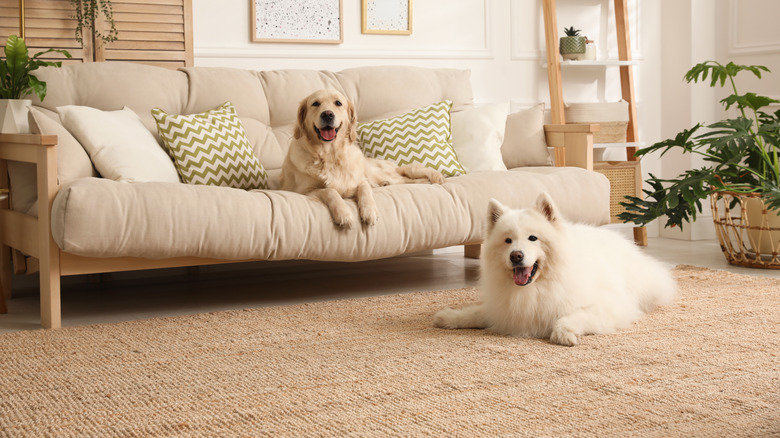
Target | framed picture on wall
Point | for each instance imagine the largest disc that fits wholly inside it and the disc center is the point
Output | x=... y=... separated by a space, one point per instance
x=297 y=21
x=392 y=17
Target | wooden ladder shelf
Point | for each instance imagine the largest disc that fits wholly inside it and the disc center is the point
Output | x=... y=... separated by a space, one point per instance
x=626 y=81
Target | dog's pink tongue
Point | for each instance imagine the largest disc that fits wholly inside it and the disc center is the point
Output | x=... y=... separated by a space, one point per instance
x=521 y=275
x=328 y=134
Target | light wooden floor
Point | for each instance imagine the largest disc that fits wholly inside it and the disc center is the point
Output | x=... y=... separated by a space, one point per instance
x=128 y=296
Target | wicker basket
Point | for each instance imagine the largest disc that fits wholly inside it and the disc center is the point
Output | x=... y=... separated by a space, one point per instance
x=625 y=179
x=749 y=234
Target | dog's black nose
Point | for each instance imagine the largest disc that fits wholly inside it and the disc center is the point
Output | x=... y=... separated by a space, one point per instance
x=327 y=116
x=516 y=257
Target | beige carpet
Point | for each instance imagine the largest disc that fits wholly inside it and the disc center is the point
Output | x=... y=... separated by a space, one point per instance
x=709 y=365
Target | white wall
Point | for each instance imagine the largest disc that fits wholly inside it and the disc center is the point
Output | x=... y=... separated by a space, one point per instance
x=474 y=35
x=502 y=43
x=742 y=31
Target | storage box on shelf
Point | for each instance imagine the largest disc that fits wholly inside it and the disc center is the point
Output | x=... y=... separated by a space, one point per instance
x=611 y=116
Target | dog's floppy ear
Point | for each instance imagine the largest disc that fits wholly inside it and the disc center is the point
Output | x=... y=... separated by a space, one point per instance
x=546 y=206
x=495 y=211
x=352 y=121
x=300 y=129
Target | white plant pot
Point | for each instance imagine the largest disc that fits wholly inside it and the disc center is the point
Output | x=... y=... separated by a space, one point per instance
x=13 y=116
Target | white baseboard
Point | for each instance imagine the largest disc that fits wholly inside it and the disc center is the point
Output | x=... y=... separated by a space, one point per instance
x=702 y=229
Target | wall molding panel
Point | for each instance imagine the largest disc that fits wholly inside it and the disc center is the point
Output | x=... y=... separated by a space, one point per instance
x=737 y=46
x=348 y=50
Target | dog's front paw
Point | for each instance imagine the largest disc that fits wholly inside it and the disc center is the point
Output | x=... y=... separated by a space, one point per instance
x=368 y=216
x=344 y=220
x=563 y=336
x=435 y=177
x=446 y=318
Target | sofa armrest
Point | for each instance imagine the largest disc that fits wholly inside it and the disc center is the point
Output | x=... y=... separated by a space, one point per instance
x=573 y=144
x=33 y=234
x=21 y=231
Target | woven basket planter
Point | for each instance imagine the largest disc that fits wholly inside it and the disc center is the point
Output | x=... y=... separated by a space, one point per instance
x=748 y=232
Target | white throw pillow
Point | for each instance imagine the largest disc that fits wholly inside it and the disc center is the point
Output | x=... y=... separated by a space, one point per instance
x=120 y=146
x=477 y=135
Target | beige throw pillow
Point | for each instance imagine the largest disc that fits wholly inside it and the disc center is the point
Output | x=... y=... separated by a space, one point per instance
x=524 y=142
x=72 y=161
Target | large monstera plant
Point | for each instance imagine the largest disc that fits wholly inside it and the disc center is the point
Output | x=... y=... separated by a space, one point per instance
x=740 y=154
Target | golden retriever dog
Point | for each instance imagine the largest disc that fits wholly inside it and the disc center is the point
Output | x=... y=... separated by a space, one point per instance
x=325 y=162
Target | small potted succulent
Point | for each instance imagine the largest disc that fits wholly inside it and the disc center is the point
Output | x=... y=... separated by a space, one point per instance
x=17 y=82
x=572 y=46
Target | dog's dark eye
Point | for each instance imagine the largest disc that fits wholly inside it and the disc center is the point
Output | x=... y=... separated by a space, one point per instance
x=532 y=238
x=315 y=104
x=338 y=103
x=508 y=240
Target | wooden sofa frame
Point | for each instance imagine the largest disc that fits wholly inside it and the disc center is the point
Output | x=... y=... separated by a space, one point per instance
x=32 y=235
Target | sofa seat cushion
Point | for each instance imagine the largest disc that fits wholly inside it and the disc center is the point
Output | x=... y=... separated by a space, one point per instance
x=96 y=217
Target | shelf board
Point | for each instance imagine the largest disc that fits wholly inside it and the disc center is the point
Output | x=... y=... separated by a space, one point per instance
x=618 y=145
x=596 y=63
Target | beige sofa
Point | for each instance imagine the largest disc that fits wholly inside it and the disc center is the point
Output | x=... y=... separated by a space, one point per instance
x=76 y=222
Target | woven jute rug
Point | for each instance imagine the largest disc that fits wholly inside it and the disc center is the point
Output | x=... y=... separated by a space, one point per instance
x=707 y=365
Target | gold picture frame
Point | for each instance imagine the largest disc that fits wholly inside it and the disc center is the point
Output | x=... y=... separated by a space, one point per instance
x=281 y=21
x=387 y=17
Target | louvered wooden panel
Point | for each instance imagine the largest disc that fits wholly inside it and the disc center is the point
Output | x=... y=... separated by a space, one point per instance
x=48 y=24
x=157 y=32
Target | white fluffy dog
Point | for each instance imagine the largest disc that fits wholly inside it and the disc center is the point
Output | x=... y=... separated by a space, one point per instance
x=542 y=276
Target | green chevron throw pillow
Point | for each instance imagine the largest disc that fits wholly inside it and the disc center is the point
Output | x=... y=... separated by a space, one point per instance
x=421 y=136
x=211 y=148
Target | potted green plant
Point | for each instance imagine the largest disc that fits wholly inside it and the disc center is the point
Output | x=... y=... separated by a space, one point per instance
x=17 y=82
x=573 y=45
x=741 y=168
x=88 y=13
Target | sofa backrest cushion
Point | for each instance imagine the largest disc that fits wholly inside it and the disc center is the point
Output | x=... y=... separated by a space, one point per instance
x=387 y=91
x=266 y=101
x=111 y=86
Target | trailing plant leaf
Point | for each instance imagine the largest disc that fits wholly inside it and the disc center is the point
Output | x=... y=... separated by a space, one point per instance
x=88 y=12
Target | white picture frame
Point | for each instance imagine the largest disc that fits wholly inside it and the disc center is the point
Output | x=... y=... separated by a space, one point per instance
x=297 y=21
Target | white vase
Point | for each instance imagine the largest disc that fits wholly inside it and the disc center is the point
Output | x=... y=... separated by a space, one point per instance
x=13 y=116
